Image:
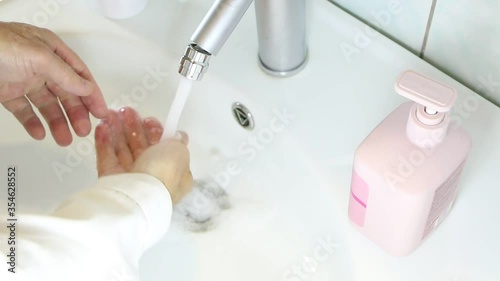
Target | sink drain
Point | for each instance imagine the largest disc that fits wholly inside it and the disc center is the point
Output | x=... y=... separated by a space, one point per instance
x=243 y=116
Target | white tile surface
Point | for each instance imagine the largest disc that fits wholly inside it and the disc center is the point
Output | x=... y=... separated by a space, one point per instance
x=464 y=41
x=406 y=24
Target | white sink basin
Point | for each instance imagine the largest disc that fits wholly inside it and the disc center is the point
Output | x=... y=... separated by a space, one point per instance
x=291 y=198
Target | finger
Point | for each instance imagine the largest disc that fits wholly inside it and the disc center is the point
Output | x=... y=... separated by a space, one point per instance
x=55 y=70
x=153 y=129
x=96 y=104
x=106 y=157
x=93 y=103
x=122 y=149
x=22 y=110
x=134 y=131
x=57 y=45
x=95 y=100
x=76 y=112
x=48 y=105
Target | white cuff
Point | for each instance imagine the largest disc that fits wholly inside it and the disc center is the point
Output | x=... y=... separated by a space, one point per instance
x=150 y=195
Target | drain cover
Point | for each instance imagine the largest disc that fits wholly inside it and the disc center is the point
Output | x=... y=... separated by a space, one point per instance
x=243 y=116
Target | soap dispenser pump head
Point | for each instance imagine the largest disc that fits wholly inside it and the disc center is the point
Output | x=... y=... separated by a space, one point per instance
x=429 y=118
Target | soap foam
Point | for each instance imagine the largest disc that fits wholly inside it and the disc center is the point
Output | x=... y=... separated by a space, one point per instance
x=198 y=210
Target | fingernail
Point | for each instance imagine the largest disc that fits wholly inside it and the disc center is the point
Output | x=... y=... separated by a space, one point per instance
x=151 y=120
x=178 y=136
x=182 y=137
x=123 y=115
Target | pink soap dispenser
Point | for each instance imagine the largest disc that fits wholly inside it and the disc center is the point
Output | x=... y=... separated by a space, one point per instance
x=406 y=171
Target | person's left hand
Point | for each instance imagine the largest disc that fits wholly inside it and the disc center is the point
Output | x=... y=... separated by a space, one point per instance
x=121 y=138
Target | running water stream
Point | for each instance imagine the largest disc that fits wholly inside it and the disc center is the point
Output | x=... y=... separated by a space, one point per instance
x=183 y=92
x=189 y=212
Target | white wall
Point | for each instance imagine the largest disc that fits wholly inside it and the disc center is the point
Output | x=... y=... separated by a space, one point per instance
x=464 y=41
x=463 y=36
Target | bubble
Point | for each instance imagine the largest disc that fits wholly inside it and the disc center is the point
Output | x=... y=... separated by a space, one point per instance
x=198 y=211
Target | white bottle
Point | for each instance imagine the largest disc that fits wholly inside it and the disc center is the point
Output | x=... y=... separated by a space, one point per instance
x=122 y=9
x=406 y=172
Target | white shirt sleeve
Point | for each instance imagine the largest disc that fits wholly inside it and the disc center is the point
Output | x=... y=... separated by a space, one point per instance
x=99 y=234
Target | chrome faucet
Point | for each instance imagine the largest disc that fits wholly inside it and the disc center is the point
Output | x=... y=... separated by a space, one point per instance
x=281 y=26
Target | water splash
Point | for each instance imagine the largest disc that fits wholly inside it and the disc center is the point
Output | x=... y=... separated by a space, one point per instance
x=183 y=92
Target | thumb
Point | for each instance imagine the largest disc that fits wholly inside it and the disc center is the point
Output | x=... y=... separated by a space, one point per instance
x=58 y=72
x=169 y=163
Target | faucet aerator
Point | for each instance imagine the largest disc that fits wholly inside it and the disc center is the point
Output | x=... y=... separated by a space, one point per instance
x=194 y=63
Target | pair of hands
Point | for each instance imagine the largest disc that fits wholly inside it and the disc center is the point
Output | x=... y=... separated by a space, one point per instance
x=38 y=69
x=127 y=144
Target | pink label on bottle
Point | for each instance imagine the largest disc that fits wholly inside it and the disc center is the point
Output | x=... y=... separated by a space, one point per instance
x=358 y=199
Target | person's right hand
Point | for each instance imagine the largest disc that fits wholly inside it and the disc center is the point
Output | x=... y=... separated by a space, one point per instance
x=38 y=69
x=127 y=144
